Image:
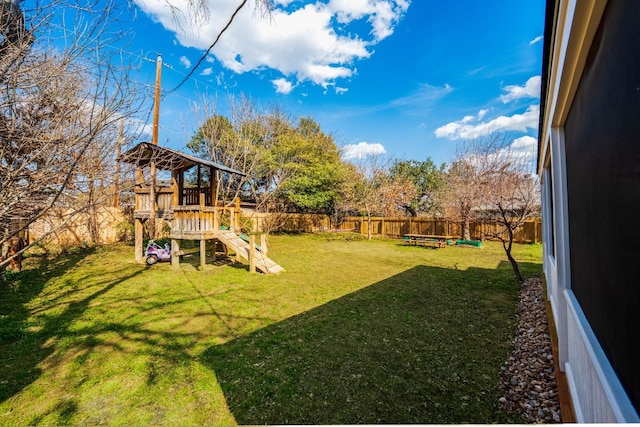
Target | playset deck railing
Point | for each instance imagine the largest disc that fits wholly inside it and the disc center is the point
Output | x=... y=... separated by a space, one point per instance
x=195 y=220
x=162 y=206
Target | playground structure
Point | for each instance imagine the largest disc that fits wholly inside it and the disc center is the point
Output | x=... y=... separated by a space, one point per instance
x=193 y=211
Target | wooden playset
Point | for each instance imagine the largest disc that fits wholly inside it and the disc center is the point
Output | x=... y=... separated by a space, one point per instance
x=193 y=211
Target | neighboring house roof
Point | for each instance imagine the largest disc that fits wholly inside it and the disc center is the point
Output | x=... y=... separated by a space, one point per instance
x=514 y=206
x=167 y=159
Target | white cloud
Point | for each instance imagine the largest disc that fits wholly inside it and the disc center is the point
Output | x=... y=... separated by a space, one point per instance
x=282 y=86
x=303 y=42
x=524 y=150
x=341 y=90
x=185 y=62
x=536 y=40
x=531 y=89
x=382 y=15
x=464 y=129
x=139 y=126
x=362 y=150
x=524 y=143
x=207 y=71
x=425 y=94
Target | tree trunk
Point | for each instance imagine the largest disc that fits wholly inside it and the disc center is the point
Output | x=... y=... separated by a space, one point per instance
x=514 y=264
x=15 y=245
x=12 y=248
x=466 y=232
x=411 y=211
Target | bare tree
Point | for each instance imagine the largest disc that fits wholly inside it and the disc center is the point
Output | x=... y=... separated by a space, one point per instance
x=62 y=95
x=490 y=180
x=465 y=186
x=242 y=142
x=371 y=189
x=512 y=198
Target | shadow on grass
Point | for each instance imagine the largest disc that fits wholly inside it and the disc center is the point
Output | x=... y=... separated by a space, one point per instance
x=424 y=346
x=219 y=261
x=25 y=346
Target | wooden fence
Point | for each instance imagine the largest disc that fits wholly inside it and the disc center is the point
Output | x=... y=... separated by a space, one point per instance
x=110 y=222
x=530 y=232
x=71 y=229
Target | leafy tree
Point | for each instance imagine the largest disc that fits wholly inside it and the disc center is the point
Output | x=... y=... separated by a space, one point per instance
x=288 y=167
x=428 y=180
x=315 y=162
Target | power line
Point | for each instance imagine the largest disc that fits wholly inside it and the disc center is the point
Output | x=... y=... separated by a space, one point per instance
x=203 y=57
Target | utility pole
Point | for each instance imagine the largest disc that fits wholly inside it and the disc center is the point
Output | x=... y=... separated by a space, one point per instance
x=116 y=190
x=154 y=141
x=156 y=102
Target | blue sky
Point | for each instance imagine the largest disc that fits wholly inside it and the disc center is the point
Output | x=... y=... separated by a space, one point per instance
x=410 y=79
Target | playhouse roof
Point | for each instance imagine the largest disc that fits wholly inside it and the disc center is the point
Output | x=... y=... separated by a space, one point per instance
x=167 y=159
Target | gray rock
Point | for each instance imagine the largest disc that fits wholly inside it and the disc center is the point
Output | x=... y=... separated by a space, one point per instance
x=527 y=378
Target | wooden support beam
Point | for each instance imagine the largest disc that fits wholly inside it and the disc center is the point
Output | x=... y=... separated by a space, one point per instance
x=175 y=250
x=213 y=183
x=236 y=214
x=138 y=226
x=152 y=198
x=180 y=187
x=203 y=253
x=175 y=190
x=252 y=253
x=139 y=176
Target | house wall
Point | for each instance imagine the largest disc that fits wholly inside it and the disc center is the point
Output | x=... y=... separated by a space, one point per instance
x=592 y=286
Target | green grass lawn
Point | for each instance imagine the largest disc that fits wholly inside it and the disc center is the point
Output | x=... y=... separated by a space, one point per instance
x=351 y=332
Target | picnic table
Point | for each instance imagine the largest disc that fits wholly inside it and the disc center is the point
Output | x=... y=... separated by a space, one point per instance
x=432 y=240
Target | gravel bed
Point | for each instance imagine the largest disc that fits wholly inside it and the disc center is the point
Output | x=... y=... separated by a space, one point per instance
x=528 y=381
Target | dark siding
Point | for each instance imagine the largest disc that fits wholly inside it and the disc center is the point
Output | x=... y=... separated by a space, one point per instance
x=602 y=136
